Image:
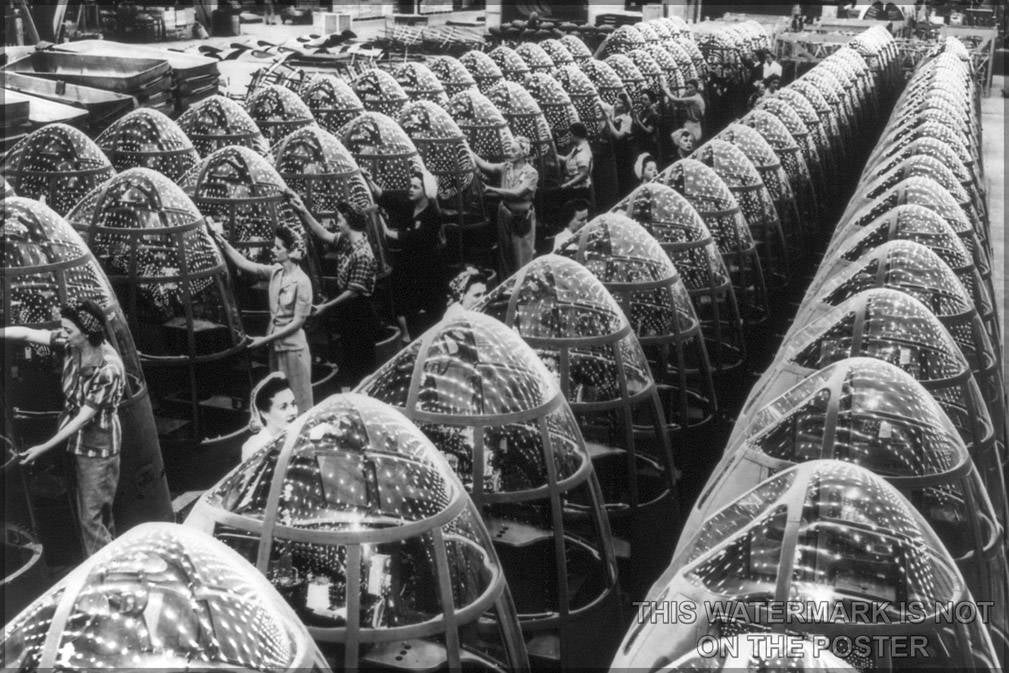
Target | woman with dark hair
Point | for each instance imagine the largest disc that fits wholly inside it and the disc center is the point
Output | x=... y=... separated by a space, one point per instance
x=516 y=220
x=621 y=127
x=356 y=274
x=646 y=125
x=578 y=164
x=417 y=239
x=271 y=409
x=466 y=290
x=694 y=106
x=93 y=383
x=290 y=298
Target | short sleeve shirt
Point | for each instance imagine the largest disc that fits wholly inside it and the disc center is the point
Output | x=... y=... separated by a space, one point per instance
x=100 y=387
x=290 y=298
x=356 y=268
x=527 y=176
x=581 y=158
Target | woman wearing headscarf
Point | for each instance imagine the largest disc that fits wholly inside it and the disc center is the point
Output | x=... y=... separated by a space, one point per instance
x=352 y=310
x=645 y=168
x=290 y=299
x=516 y=214
x=271 y=409
x=466 y=290
x=418 y=270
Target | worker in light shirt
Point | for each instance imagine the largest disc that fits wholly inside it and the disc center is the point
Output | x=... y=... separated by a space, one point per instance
x=770 y=67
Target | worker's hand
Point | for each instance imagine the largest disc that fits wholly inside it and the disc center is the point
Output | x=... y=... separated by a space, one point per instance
x=31 y=454
x=214 y=228
x=295 y=200
x=257 y=342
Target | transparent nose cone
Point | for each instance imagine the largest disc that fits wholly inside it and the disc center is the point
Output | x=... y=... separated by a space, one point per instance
x=558 y=109
x=557 y=52
x=606 y=81
x=218 y=122
x=636 y=270
x=331 y=100
x=379 y=145
x=717 y=205
x=761 y=652
x=525 y=118
x=485 y=128
x=688 y=243
x=538 y=60
x=359 y=522
x=496 y=412
x=442 y=146
x=379 y=92
x=585 y=98
x=146 y=138
x=46 y=265
x=580 y=332
x=579 y=52
x=826 y=536
x=755 y=203
x=420 y=83
x=56 y=164
x=485 y=72
x=151 y=241
x=513 y=66
x=277 y=111
x=161 y=596
x=622 y=41
x=452 y=74
x=244 y=193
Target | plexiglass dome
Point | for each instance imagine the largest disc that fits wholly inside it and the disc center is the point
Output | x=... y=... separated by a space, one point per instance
x=649 y=68
x=277 y=111
x=513 y=67
x=241 y=190
x=827 y=535
x=668 y=67
x=867 y=412
x=538 y=60
x=165 y=597
x=441 y=145
x=331 y=100
x=608 y=83
x=491 y=406
x=809 y=116
x=895 y=327
x=585 y=98
x=557 y=51
x=580 y=333
x=56 y=164
x=482 y=67
x=354 y=495
x=169 y=275
x=47 y=265
x=558 y=109
x=419 y=83
x=380 y=92
x=452 y=73
x=636 y=270
x=633 y=79
x=148 y=139
x=622 y=40
x=681 y=232
x=797 y=128
x=757 y=150
x=383 y=148
x=579 y=52
x=525 y=118
x=485 y=128
x=717 y=206
x=755 y=203
x=218 y=122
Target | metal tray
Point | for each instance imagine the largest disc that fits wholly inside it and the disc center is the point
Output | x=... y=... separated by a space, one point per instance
x=184 y=66
x=42 y=111
x=98 y=102
x=103 y=72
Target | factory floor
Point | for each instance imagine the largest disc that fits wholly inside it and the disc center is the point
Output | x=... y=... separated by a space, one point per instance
x=993 y=122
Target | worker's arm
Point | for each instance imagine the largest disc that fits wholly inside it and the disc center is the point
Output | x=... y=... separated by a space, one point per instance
x=82 y=418
x=312 y=224
x=42 y=337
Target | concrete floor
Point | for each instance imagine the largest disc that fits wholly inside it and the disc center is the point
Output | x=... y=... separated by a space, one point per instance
x=993 y=121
